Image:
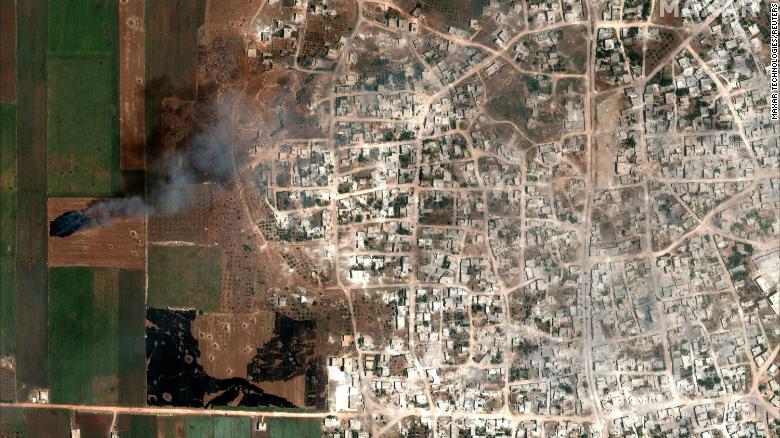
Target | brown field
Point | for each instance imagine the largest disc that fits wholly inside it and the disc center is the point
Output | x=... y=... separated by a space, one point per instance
x=233 y=13
x=46 y=423
x=293 y=390
x=118 y=245
x=93 y=425
x=7 y=50
x=228 y=342
x=131 y=85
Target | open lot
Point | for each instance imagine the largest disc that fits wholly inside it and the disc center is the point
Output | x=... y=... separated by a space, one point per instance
x=444 y=13
x=184 y=277
x=117 y=245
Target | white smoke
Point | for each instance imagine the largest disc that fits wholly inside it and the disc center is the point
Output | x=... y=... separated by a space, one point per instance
x=206 y=159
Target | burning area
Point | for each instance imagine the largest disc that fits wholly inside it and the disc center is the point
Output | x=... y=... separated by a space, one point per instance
x=98 y=214
x=68 y=223
x=206 y=157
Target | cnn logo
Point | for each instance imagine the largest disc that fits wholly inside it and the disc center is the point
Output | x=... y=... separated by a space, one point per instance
x=669 y=7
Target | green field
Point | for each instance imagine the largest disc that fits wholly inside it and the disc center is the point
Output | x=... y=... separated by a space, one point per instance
x=287 y=427
x=83 y=141
x=31 y=237
x=83 y=26
x=145 y=426
x=7 y=179
x=7 y=226
x=218 y=427
x=7 y=304
x=132 y=352
x=184 y=277
x=83 y=98
x=12 y=420
x=83 y=335
x=137 y=426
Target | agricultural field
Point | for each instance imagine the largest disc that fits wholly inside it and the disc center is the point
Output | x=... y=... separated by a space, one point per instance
x=145 y=426
x=132 y=145
x=171 y=59
x=136 y=426
x=119 y=244
x=7 y=301
x=83 y=329
x=87 y=341
x=7 y=179
x=88 y=26
x=31 y=270
x=46 y=423
x=132 y=351
x=286 y=427
x=83 y=155
x=184 y=277
x=12 y=421
x=229 y=427
x=82 y=99
x=197 y=426
x=92 y=425
x=7 y=50
x=7 y=226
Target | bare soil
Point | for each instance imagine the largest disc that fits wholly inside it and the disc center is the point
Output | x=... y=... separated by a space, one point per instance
x=132 y=150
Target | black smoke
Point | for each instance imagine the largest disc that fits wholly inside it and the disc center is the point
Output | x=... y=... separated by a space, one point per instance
x=98 y=214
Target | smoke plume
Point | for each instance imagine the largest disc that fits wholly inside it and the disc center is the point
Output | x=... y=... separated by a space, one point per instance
x=207 y=158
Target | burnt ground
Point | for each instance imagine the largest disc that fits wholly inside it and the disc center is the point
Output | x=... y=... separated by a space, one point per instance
x=175 y=376
x=290 y=354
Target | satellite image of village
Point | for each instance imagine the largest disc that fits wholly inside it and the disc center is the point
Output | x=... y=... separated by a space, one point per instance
x=389 y=218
